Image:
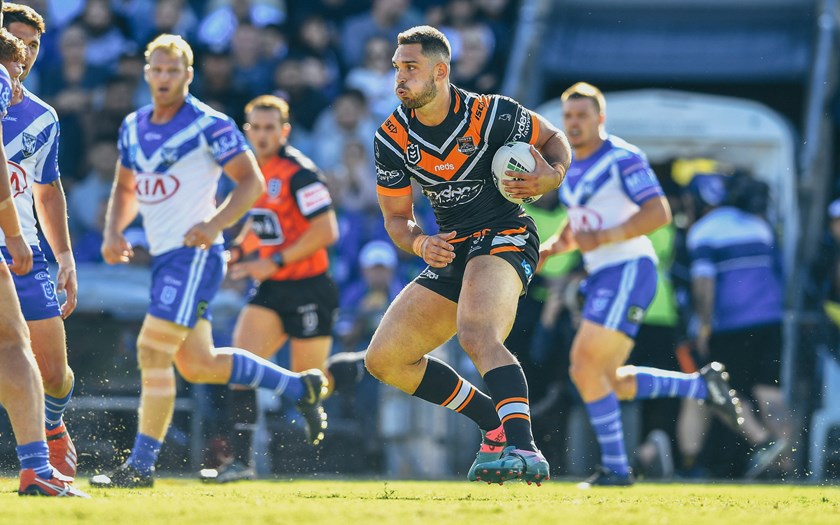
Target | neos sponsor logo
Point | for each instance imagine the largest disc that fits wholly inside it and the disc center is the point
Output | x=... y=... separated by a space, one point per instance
x=387 y=176
x=584 y=219
x=445 y=167
x=17 y=177
x=313 y=197
x=453 y=193
x=523 y=126
x=154 y=188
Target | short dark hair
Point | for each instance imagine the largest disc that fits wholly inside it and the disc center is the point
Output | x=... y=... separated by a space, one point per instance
x=430 y=39
x=24 y=14
x=12 y=48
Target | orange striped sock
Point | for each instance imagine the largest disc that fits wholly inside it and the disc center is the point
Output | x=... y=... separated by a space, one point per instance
x=509 y=389
x=443 y=386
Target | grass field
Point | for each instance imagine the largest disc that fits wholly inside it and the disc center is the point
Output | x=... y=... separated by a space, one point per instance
x=338 y=502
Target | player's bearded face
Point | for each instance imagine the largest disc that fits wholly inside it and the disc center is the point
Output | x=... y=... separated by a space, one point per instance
x=426 y=94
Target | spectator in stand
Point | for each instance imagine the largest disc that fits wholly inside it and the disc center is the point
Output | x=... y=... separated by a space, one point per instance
x=473 y=70
x=87 y=200
x=164 y=16
x=306 y=101
x=386 y=18
x=110 y=108
x=216 y=87
x=500 y=17
x=217 y=29
x=107 y=32
x=251 y=73
x=351 y=182
x=363 y=302
x=346 y=121
x=375 y=78
x=315 y=40
x=824 y=287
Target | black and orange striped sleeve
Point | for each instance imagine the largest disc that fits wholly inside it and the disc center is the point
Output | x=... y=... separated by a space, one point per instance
x=392 y=177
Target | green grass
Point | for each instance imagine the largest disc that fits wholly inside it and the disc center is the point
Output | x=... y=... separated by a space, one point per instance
x=336 y=502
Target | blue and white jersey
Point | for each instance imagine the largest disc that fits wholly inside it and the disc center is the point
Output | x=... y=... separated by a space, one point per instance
x=605 y=190
x=30 y=135
x=177 y=166
x=737 y=249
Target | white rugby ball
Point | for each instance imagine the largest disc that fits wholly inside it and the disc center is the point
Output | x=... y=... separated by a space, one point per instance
x=513 y=156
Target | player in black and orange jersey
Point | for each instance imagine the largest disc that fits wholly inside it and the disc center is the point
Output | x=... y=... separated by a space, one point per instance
x=292 y=225
x=444 y=138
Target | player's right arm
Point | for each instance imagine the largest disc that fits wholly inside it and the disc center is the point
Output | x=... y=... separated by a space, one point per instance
x=562 y=241
x=122 y=209
x=393 y=187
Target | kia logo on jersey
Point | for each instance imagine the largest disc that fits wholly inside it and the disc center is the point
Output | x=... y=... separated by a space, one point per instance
x=585 y=219
x=17 y=177
x=152 y=188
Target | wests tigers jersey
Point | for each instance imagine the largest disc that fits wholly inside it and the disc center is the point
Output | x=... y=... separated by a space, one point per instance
x=451 y=161
x=295 y=194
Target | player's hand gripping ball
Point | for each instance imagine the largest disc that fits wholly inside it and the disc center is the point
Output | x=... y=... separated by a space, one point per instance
x=513 y=156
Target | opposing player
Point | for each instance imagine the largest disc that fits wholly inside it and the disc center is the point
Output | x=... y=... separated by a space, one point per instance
x=293 y=223
x=31 y=139
x=444 y=138
x=172 y=154
x=21 y=391
x=614 y=199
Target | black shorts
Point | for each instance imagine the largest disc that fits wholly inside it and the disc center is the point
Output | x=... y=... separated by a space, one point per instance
x=753 y=356
x=516 y=241
x=307 y=307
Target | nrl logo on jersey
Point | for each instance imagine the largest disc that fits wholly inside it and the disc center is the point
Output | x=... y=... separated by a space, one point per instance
x=413 y=153
x=274 y=187
x=466 y=145
x=169 y=156
x=29 y=144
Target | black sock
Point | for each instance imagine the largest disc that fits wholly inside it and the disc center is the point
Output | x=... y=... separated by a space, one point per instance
x=509 y=390
x=443 y=386
x=242 y=406
x=346 y=369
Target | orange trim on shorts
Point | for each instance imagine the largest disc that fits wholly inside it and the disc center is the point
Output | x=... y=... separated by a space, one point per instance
x=518 y=416
x=501 y=249
x=463 y=405
x=454 y=392
x=504 y=402
x=394 y=192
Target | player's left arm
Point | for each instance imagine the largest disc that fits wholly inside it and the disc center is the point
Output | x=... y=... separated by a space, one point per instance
x=51 y=205
x=550 y=148
x=245 y=172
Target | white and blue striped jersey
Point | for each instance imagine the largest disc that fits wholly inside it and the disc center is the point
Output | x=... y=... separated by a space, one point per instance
x=177 y=166
x=30 y=135
x=604 y=190
x=738 y=250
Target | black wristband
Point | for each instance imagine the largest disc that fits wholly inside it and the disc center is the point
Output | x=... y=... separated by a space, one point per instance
x=277 y=258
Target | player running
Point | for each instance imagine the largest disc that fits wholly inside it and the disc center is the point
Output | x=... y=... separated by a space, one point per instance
x=172 y=154
x=614 y=199
x=444 y=138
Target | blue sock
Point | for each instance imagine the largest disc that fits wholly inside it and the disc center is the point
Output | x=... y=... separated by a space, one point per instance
x=605 y=416
x=54 y=408
x=256 y=372
x=36 y=455
x=144 y=453
x=653 y=383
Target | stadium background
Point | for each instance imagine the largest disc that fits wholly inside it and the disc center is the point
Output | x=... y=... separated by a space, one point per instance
x=751 y=83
